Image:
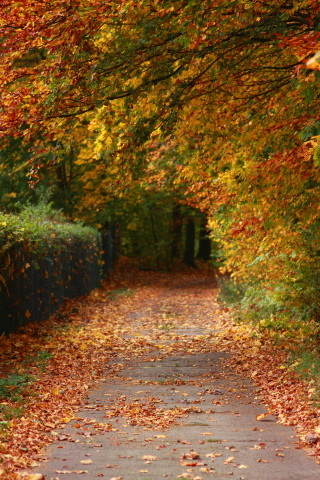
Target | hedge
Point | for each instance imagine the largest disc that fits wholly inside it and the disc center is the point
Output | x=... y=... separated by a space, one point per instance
x=44 y=259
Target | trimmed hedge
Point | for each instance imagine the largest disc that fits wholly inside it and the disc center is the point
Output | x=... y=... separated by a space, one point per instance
x=43 y=260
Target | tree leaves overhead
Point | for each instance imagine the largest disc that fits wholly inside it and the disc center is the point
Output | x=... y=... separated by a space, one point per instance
x=62 y=59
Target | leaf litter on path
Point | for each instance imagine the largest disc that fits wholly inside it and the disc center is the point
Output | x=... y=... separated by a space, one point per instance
x=71 y=353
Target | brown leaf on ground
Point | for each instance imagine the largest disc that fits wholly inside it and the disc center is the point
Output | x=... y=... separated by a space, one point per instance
x=93 y=327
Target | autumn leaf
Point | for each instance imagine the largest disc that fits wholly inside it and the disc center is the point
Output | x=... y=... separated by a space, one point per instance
x=190 y=455
x=229 y=460
x=262 y=416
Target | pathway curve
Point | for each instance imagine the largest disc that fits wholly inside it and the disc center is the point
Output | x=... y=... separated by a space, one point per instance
x=167 y=407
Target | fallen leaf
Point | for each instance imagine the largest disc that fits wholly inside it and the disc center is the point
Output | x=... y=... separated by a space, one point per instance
x=229 y=460
x=190 y=455
x=262 y=416
x=149 y=458
x=78 y=472
x=86 y=462
x=243 y=466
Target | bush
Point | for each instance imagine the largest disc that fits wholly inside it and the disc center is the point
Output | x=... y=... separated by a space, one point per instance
x=44 y=260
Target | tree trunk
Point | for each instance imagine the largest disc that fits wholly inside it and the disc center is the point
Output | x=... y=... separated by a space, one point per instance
x=176 y=232
x=189 y=243
x=204 y=252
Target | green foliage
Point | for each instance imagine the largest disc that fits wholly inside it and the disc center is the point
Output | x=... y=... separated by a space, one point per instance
x=13 y=386
x=230 y=292
x=40 y=360
x=288 y=308
x=40 y=225
x=307 y=364
x=310 y=131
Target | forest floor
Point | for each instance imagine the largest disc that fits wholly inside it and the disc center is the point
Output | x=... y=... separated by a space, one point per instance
x=148 y=378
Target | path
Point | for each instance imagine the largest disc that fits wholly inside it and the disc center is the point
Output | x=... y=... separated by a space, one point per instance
x=166 y=406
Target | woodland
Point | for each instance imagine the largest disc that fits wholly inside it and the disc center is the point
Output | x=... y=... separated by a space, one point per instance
x=165 y=115
x=165 y=120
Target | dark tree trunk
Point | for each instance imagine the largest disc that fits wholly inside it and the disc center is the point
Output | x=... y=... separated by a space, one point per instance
x=204 y=252
x=176 y=232
x=189 y=243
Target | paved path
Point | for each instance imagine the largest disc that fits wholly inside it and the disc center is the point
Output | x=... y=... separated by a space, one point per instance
x=177 y=416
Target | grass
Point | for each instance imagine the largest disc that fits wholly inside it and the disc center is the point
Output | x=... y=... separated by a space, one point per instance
x=13 y=386
x=307 y=364
x=12 y=389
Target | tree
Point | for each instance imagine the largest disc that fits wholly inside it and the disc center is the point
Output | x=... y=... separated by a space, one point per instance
x=213 y=102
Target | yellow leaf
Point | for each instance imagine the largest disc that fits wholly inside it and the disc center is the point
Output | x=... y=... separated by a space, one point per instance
x=86 y=462
x=55 y=391
x=243 y=466
x=67 y=419
x=83 y=346
x=262 y=416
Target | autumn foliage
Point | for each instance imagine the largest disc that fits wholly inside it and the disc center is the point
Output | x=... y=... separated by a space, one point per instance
x=214 y=103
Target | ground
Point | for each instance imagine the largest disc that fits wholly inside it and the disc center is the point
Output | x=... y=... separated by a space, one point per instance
x=149 y=377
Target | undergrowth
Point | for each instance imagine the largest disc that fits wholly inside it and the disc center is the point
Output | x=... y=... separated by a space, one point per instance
x=291 y=325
